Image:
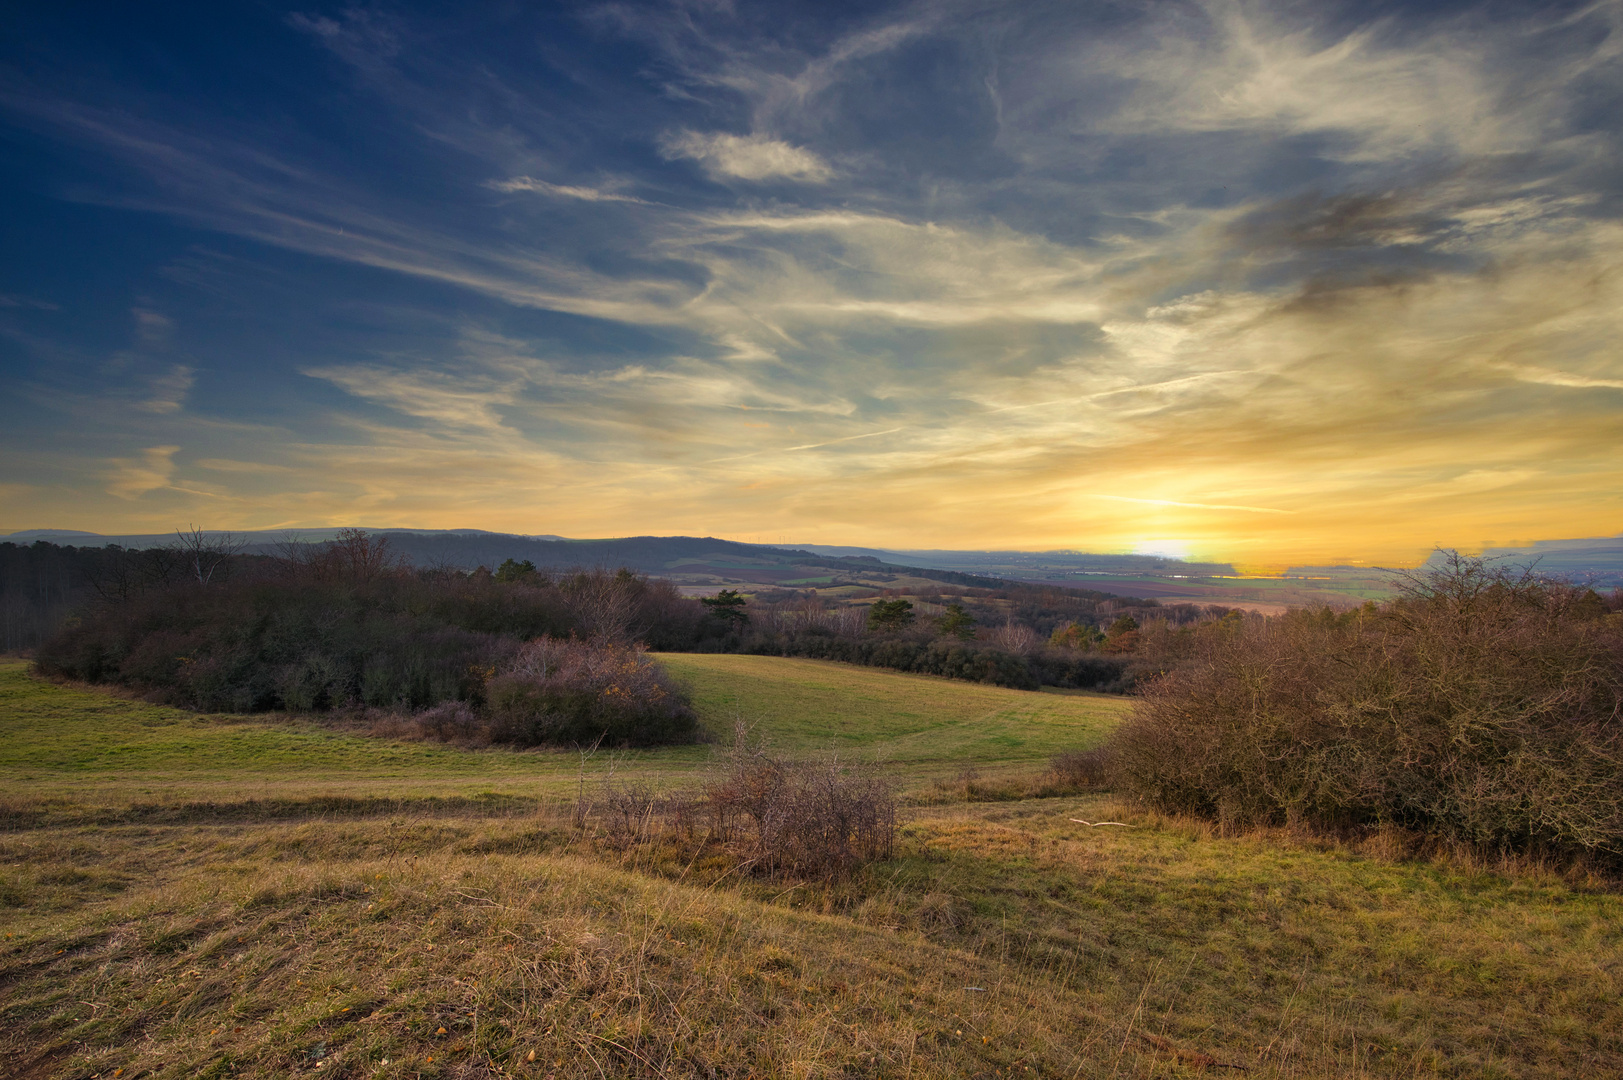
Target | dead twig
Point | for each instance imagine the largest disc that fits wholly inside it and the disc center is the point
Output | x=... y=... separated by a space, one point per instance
x=1096 y=824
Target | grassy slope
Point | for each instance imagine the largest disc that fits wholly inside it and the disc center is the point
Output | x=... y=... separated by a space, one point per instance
x=454 y=940
x=916 y=723
x=90 y=747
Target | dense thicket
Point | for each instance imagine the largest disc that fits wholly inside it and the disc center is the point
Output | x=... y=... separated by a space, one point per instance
x=1481 y=706
x=42 y=584
x=344 y=624
x=348 y=622
x=1013 y=636
x=561 y=691
x=39 y=585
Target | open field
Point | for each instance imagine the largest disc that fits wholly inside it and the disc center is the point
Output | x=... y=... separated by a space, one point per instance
x=916 y=724
x=251 y=898
x=73 y=747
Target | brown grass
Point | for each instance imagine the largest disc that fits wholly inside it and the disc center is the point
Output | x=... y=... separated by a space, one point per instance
x=334 y=937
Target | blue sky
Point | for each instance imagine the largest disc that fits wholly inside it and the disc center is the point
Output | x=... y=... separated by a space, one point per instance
x=1261 y=282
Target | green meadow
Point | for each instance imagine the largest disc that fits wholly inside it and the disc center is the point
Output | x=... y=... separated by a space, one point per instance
x=185 y=895
x=97 y=748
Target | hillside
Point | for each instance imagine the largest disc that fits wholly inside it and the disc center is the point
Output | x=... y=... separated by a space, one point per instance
x=688 y=560
x=188 y=895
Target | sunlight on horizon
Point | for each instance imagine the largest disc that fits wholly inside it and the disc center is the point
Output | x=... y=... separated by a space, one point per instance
x=1266 y=283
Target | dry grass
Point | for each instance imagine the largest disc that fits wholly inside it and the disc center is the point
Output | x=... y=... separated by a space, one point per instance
x=459 y=938
x=261 y=950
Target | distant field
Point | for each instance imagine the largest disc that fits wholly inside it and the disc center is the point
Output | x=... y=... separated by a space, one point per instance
x=90 y=745
x=187 y=896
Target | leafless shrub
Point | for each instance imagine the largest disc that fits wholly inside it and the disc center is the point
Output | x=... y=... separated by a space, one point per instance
x=778 y=818
x=803 y=819
x=449 y=721
x=1016 y=637
x=631 y=813
x=604 y=603
x=1483 y=707
x=1089 y=770
x=567 y=690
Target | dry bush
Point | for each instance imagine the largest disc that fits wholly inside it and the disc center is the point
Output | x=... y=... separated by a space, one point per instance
x=570 y=691
x=775 y=817
x=631 y=813
x=1481 y=707
x=449 y=721
x=1085 y=770
x=801 y=819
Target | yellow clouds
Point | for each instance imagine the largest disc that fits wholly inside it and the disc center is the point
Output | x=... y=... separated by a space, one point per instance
x=133 y=477
x=1251 y=280
x=1347 y=419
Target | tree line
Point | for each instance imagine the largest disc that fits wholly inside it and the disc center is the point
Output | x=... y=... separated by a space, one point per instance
x=349 y=623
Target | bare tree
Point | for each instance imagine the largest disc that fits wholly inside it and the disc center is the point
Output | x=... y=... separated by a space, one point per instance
x=294 y=553
x=1016 y=637
x=605 y=604
x=362 y=556
x=206 y=554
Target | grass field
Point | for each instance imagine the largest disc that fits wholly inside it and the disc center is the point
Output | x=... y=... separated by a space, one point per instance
x=77 y=748
x=200 y=896
x=917 y=724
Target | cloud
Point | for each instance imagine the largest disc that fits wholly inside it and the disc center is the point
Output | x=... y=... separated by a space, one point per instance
x=133 y=477
x=152 y=329
x=562 y=191
x=456 y=399
x=1266 y=266
x=1191 y=505
x=1386 y=89
x=169 y=390
x=747 y=157
x=12 y=300
x=1546 y=377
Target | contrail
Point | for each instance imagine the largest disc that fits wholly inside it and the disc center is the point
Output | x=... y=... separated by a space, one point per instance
x=1193 y=505
x=806 y=446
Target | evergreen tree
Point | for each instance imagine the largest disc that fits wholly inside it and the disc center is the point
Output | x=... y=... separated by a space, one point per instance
x=888 y=615
x=956 y=622
x=728 y=606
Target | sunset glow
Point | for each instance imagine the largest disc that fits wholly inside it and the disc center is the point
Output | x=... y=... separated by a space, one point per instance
x=1255 y=282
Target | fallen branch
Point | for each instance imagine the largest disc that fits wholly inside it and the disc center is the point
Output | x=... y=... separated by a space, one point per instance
x=1096 y=824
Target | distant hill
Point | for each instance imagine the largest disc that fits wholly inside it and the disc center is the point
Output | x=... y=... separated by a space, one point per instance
x=687 y=560
x=1035 y=565
x=708 y=562
x=1597 y=560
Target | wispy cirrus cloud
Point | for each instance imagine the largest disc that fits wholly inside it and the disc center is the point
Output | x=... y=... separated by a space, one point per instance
x=168 y=390
x=986 y=263
x=562 y=191
x=747 y=157
x=131 y=478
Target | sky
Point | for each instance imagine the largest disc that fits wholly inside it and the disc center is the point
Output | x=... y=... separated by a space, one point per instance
x=1273 y=283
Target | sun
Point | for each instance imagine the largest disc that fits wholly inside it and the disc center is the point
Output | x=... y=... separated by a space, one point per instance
x=1163 y=548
